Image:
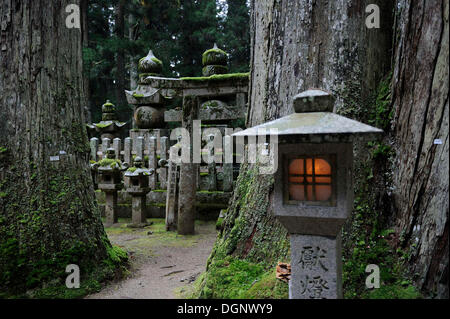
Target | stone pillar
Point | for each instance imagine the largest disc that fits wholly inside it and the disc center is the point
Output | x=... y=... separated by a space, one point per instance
x=94 y=149
x=152 y=163
x=106 y=142
x=316 y=267
x=163 y=155
x=227 y=163
x=212 y=183
x=140 y=146
x=127 y=151
x=117 y=147
x=188 y=174
x=171 y=194
x=111 y=208
x=138 y=209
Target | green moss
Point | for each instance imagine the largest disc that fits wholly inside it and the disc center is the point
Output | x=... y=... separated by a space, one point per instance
x=382 y=111
x=102 y=125
x=138 y=96
x=132 y=169
x=268 y=287
x=3 y=149
x=228 y=279
x=204 y=174
x=219 y=223
x=214 y=55
x=395 y=291
x=210 y=192
x=109 y=162
x=156 y=60
x=218 y=77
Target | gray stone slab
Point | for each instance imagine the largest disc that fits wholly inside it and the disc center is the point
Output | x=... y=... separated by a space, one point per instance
x=316 y=267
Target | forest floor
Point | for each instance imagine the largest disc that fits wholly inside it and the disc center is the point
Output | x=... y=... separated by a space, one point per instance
x=163 y=264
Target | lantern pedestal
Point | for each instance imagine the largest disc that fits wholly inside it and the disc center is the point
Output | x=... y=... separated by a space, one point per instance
x=316 y=267
x=138 y=210
x=111 y=207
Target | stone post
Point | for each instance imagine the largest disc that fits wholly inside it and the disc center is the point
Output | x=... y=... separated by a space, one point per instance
x=127 y=147
x=212 y=183
x=227 y=163
x=163 y=154
x=117 y=147
x=188 y=173
x=140 y=146
x=94 y=149
x=152 y=163
x=138 y=207
x=171 y=195
x=111 y=207
x=106 y=142
x=316 y=267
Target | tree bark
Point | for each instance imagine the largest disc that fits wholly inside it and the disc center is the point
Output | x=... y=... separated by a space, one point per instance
x=421 y=116
x=120 y=56
x=48 y=213
x=297 y=45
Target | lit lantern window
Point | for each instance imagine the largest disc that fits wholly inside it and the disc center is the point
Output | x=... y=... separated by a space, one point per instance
x=310 y=179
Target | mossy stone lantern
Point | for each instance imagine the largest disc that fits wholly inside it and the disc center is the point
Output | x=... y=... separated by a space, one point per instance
x=110 y=181
x=109 y=126
x=313 y=191
x=138 y=187
x=149 y=102
x=215 y=61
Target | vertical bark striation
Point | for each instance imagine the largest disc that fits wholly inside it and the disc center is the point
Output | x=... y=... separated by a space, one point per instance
x=421 y=116
x=297 y=45
x=48 y=214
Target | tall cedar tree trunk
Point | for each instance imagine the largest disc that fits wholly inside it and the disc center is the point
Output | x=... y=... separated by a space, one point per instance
x=48 y=213
x=297 y=45
x=85 y=41
x=120 y=55
x=421 y=85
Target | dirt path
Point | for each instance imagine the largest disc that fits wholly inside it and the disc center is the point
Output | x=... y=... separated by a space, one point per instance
x=163 y=264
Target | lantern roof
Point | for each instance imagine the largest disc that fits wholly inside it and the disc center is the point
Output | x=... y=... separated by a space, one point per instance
x=312 y=123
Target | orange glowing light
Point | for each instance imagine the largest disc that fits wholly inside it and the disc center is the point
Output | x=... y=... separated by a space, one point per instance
x=310 y=179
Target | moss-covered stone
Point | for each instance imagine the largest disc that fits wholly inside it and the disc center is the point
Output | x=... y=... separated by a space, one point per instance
x=214 y=69
x=214 y=56
x=218 y=77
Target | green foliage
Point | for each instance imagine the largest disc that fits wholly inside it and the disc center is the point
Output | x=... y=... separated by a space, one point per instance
x=177 y=31
x=381 y=113
x=394 y=291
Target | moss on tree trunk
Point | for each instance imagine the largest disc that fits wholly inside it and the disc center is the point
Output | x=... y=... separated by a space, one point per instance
x=48 y=213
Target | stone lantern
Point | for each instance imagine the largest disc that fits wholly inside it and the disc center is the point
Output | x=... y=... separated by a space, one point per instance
x=109 y=126
x=110 y=181
x=313 y=191
x=215 y=61
x=138 y=187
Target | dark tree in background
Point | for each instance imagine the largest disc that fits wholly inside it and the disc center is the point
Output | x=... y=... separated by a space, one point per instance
x=178 y=32
x=48 y=213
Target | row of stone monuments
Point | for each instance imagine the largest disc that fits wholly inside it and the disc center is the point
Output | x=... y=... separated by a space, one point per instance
x=139 y=170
